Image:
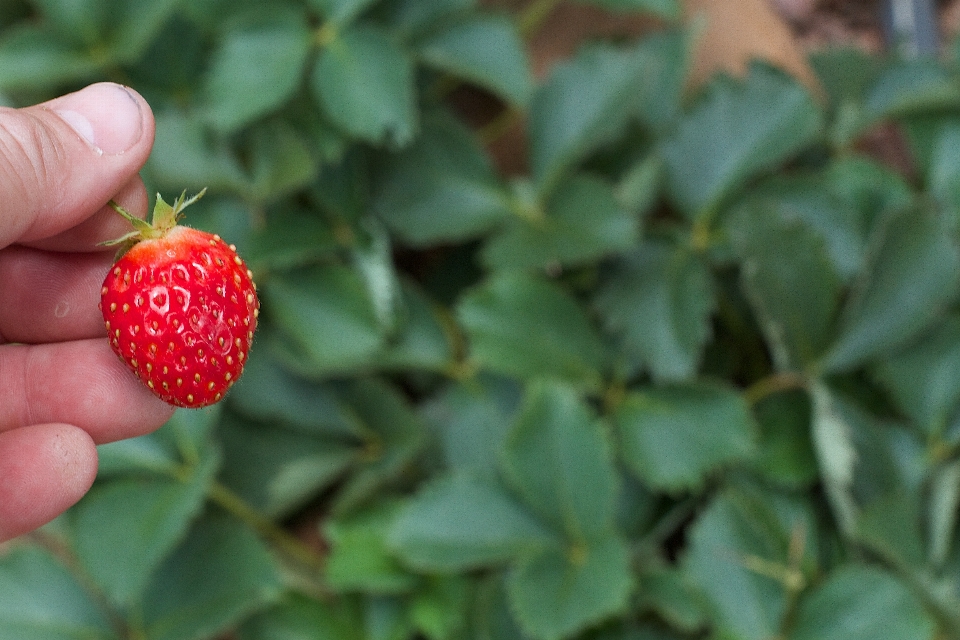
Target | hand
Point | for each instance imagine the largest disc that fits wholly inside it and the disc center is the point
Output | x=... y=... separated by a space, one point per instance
x=62 y=390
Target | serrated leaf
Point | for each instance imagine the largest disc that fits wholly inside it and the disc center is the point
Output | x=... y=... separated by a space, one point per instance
x=668 y=9
x=124 y=528
x=327 y=313
x=529 y=327
x=281 y=161
x=461 y=522
x=560 y=462
x=442 y=188
x=584 y=103
x=218 y=575
x=924 y=378
x=392 y=436
x=909 y=87
x=43 y=601
x=733 y=545
x=472 y=420
x=290 y=238
x=562 y=591
x=583 y=222
x=658 y=299
x=790 y=281
x=671 y=594
x=136 y=26
x=859 y=603
x=422 y=340
x=31 y=57
x=674 y=437
x=737 y=131
x=365 y=83
x=438 y=609
x=911 y=273
x=184 y=156
x=359 y=558
x=297 y=617
x=785 y=452
x=340 y=13
x=485 y=50
x=255 y=69
x=833 y=442
x=270 y=393
x=275 y=469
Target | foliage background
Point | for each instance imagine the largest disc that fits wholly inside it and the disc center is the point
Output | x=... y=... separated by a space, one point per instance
x=695 y=373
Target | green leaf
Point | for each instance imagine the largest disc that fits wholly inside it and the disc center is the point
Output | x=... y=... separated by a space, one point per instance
x=393 y=435
x=583 y=222
x=256 y=67
x=43 y=601
x=670 y=593
x=674 y=437
x=943 y=512
x=216 y=577
x=910 y=87
x=861 y=603
x=561 y=591
x=924 y=378
x=472 y=420
x=911 y=273
x=733 y=546
x=359 y=558
x=124 y=528
x=667 y=59
x=364 y=81
x=890 y=526
x=281 y=161
x=557 y=458
x=737 y=131
x=327 y=314
x=833 y=440
x=439 y=608
x=135 y=27
x=423 y=340
x=668 y=9
x=270 y=393
x=78 y=21
x=584 y=103
x=462 y=522
x=529 y=327
x=441 y=188
x=31 y=57
x=297 y=617
x=658 y=301
x=785 y=453
x=290 y=238
x=277 y=470
x=485 y=50
x=340 y=13
x=790 y=281
x=185 y=157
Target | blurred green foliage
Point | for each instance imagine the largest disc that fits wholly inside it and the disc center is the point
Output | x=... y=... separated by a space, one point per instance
x=694 y=374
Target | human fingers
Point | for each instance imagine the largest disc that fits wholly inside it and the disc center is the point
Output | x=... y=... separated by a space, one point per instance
x=82 y=383
x=62 y=160
x=50 y=297
x=44 y=469
x=103 y=226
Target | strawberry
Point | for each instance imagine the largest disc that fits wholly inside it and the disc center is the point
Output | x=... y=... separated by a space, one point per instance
x=180 y=307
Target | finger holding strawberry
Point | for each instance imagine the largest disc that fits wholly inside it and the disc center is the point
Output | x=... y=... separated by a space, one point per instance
x=62 y=390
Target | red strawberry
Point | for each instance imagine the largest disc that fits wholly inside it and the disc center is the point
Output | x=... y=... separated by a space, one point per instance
x=180 y=308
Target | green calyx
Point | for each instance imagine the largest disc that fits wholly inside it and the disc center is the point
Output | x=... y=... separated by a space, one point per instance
x=164 y=218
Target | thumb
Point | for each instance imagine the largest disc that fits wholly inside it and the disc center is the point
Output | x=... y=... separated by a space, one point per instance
x=62 y=160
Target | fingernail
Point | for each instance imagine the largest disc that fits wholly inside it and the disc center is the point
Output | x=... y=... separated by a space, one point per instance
x=105 y=114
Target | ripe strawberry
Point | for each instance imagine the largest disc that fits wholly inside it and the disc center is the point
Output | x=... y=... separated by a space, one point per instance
x=180 y=307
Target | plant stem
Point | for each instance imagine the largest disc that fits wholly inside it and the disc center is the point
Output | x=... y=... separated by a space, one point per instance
x=783 y=381
x=288 y=544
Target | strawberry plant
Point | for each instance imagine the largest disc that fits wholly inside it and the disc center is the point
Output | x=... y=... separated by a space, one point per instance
x=587 y=354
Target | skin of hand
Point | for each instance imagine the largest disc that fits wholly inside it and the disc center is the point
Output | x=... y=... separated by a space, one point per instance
x=62 y=390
